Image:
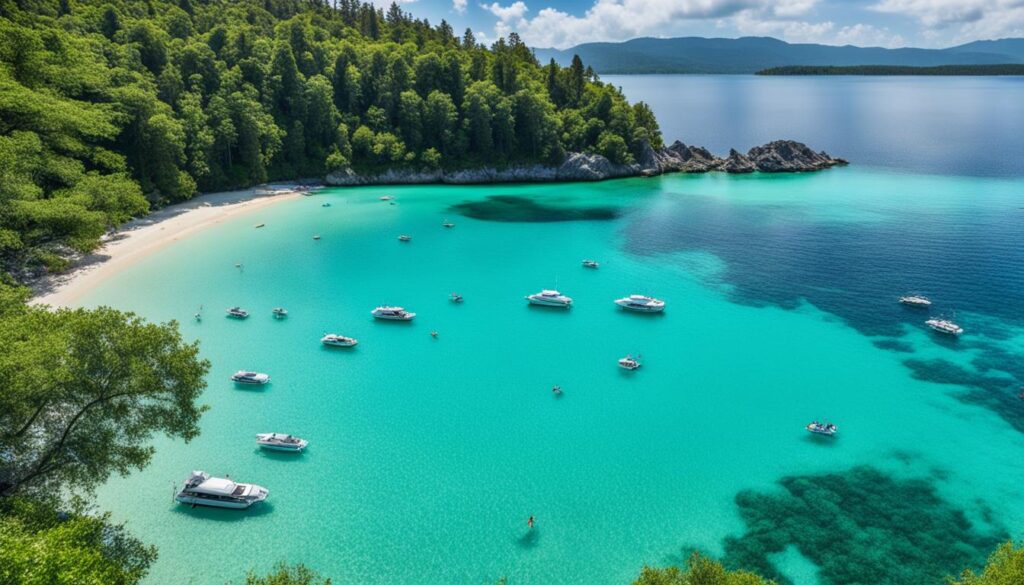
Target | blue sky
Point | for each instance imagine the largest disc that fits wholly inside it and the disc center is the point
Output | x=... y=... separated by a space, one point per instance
x=887 y=23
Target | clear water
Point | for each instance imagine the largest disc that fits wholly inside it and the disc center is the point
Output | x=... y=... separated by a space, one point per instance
x=428 y=455
x=936 y=125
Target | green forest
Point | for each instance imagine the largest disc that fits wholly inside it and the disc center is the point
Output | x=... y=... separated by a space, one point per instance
x=110 y=106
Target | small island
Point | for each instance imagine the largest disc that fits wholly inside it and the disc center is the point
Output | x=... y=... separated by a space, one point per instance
x=1003 y=69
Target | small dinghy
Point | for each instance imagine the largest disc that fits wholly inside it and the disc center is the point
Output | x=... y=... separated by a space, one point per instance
x=455 y=298
x=826 y=429
x=590 y=264
x=279 y=312
x=237 y=313
x=404 y=238
x=629 y=363
x=448 y=224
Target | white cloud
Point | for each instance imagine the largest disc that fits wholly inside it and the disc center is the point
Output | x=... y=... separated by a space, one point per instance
x=967 y=20
x=459 y=5
x=798 y=31
x=512 y=13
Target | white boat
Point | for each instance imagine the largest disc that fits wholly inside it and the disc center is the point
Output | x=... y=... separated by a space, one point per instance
x=279 y=312
x=944 y=326
x=404 y=238
x=202 y=490
x=247 y=377
x=238 y=312
x=641 y=304
x=336 y=340
x=629 y=363
x=455 y=298
x=549 y=298
x=386 y=198
x=590 y=264
x=916 y=300
x=827 y=429
x=281 y=442
x=392 y=314
x=448 y=224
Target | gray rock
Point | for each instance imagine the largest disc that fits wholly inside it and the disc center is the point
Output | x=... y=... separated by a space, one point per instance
x=789 y=156
x=738 y=163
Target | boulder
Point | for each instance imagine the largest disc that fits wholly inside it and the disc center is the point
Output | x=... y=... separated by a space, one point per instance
x=789 y=156
x=737 y=163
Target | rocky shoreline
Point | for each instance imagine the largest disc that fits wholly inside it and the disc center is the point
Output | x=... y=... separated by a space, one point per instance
x=780 y=156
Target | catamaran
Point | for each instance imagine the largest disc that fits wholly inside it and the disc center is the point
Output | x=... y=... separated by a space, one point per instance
x=202 y=490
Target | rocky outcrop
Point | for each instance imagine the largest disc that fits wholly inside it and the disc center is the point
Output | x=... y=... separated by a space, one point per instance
x=781 y=156
x=788 y=156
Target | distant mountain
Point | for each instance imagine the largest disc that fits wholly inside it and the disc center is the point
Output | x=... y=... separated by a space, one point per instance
x=752 y=54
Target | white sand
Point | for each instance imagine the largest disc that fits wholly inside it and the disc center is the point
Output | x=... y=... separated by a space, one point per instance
x=138 y=238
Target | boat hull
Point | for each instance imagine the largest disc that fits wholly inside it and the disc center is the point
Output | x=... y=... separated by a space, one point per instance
x=287 y=449
x=641 y=309
x=547 y=303
x=408 y=317
x=210 y=503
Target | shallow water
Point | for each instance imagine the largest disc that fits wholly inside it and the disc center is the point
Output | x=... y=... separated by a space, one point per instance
x=428 y=455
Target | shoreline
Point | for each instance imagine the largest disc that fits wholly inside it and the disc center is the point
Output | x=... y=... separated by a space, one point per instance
x=138 y=238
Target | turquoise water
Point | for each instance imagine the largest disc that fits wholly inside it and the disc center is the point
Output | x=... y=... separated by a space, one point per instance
x=935 y=125
x=428 y=455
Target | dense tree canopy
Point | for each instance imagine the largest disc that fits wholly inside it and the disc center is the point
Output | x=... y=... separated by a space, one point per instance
x=700 y=570
x=109 y=105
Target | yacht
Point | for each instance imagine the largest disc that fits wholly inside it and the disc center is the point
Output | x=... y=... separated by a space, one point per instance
x=641 y=303
x=944 y=326
x=916 y=300
x=455 y=298
x=404 y=238
x=246 y=377
x=550 y=298
x=448 y=224
x=629 y=363
x=392 y=314
x=202 y=490
x=279 y=312
x=336 y=340
x=281 y=442
x=238 y=313
x=827 y=429
x=590 y=264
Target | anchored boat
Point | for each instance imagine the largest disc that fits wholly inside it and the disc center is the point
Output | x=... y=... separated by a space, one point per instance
x=281 y=442
x=202 y=490
x=549 y=298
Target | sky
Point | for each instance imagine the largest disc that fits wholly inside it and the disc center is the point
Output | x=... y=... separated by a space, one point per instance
x=884 y=23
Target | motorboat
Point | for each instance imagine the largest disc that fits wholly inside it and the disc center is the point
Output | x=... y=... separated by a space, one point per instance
x=219 y=492
x=455 y=298
x=549 y=298
x=392 y=314
x=590 y=264
x=827 y=429
x=944 y=326
x=238 y=312
x=247 y=377
x=916 y=301
x=448 y=224
x=387 y=198
x=259 y=225
x=335 y=340
x=316 y=236
x=404 y=238
x=641 y=304
x=629 y=363
x=279 y=312
x=326 y=204
x=281 y=442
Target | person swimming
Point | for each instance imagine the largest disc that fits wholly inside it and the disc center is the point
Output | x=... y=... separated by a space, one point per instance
x=529 y=522
x=556 y=389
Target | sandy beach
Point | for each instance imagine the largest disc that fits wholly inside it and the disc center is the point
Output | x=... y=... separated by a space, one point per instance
x=138 y=238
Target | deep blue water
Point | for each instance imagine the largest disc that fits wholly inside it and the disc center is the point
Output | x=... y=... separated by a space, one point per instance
x=970 y=126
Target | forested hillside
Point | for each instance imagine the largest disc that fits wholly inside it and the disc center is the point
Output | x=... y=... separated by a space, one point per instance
x=108 y=106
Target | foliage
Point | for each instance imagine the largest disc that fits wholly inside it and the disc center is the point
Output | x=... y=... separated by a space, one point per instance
x=83 y=391
x=288 y=575
x=40 y=546
x=700 y=570
x=105 y=104
x=1005 y=567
